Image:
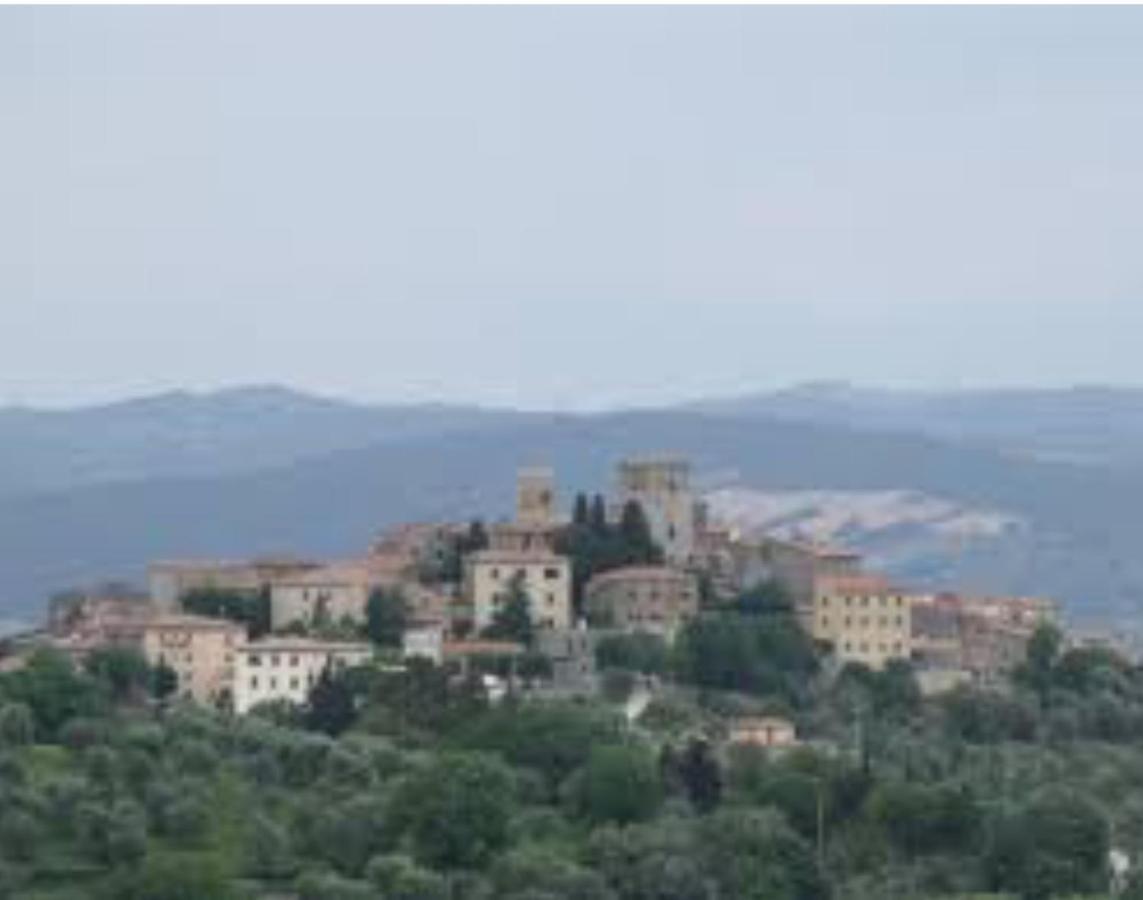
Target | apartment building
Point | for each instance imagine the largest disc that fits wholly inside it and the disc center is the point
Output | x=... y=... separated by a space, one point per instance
x=661 y=486
x=862 y=617
x=545 y=577
x=200 y=651
x=655 y=599
x=287 y=668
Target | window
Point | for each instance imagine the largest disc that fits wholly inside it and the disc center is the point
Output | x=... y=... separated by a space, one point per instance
x=551 y=573
x=254 y=682
x=274 y=660
x=825 y=621
x=294 y=660
x=495 y=573
x=825 y=601
x=273 y=684
x=294 y=683
x=255 y=659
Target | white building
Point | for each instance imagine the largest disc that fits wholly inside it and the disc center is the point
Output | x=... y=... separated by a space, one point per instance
x=282 y=668
x=424 y=640
x=544 y=577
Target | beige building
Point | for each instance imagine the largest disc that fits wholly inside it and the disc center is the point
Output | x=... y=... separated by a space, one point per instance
x=662 y=487
x=281 y=668
x=331 y=594
x=201 y=652
x=763 y=731
x=862 y=617
x=545 y=578
x=655 y=599
x=169 y=581
x=536 y=497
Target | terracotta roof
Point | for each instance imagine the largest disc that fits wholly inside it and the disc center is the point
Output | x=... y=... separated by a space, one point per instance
x=285 y=643
x=661 y=573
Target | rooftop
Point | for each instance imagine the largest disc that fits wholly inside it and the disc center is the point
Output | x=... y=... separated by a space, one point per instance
x=287 y=644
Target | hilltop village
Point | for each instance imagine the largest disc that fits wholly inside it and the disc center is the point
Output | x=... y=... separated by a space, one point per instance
x=530 y=602
x=624 y=700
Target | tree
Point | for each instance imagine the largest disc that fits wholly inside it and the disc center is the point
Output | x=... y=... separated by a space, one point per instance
x=1057 y=845
x=164 y=681
x=639 y=547
x=400 y=878
x=535 y=872
x=755 y=855
x=767 y=597
x=330 y=708
x=513 y=620
x=386 y=615
x=175 y=877
x=53 y=690
x=701 y=775
x=580 y=512
x=17 y=725
x=457 y=810
x=123 y=670
x=638 y=652
x=597 y=518
x=249 y=608
x=619 y=784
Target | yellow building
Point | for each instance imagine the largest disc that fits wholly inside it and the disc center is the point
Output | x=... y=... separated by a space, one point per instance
x=862 y=617
x=661 y=486
x=170 y=580
x=536 y=497
x=545 y=577
x=200 y=651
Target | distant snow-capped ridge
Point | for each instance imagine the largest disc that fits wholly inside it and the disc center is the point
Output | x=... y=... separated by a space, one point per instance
x=850 y=517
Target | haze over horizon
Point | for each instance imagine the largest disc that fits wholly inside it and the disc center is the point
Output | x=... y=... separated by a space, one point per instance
x=566 y=209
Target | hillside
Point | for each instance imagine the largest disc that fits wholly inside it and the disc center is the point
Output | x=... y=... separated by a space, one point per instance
x=1092 y=425
x=1080 y=543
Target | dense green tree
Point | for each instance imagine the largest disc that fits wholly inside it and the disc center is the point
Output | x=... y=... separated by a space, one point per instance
x=767 y=597
x=122 y=670
x=175 y=877
x=580 y=514
x=701 y=775
x=755 y=855
x=1056 y=845
x=597 y=519
x=164 y=681
x=457 y=810
x=400 y=878
x=926 y=819
x=619 y=784
x=331 y=707
x=659 y=860
x=386 y=616
x=249 y=608
x=638 y=652
x=512 y=621
x=541 y=873
x=53 y=690
x=17 y=725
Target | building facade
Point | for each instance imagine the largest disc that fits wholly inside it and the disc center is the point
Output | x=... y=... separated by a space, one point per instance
x=200 y=651
x=655 y=599
x=286 y=669
x=169 y=581
x=863 y=618
x=328 y=595
x=490 y=577
x=661 y=486
x=536 y=497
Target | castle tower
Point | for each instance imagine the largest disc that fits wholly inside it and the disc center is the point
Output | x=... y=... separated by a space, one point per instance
x=662 y=486
x=536 y=497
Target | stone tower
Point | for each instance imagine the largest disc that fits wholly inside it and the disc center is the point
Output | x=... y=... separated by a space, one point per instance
x=536 y=497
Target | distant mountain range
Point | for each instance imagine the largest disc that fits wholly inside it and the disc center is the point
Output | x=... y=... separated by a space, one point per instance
x=95 y=493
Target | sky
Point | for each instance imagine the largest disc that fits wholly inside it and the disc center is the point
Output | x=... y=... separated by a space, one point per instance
x=567 y=208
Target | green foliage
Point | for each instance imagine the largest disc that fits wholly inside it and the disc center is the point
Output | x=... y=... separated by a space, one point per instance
x=457 y=810
x=17 y=725
x=386 y=615
x=765 y=598
x=122 y=670
x=513 y=619
x=331 y=708
x=54 y=691
x=638 y=652
x=176 y=877
x=619 y=784
x=400 y=878
x=769 y=655
x=249 y=608
x=596 y=546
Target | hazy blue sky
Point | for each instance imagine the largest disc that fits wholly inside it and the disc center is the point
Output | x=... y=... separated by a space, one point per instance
x=567 y=207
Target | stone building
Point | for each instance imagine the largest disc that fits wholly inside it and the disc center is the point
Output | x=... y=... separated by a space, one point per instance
x=655 y=599
x=200 y=651
x=170 y=580
x=536 y=497
x=862 y=617
x=545 y=578
x=661 y=485
x=330 y=595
